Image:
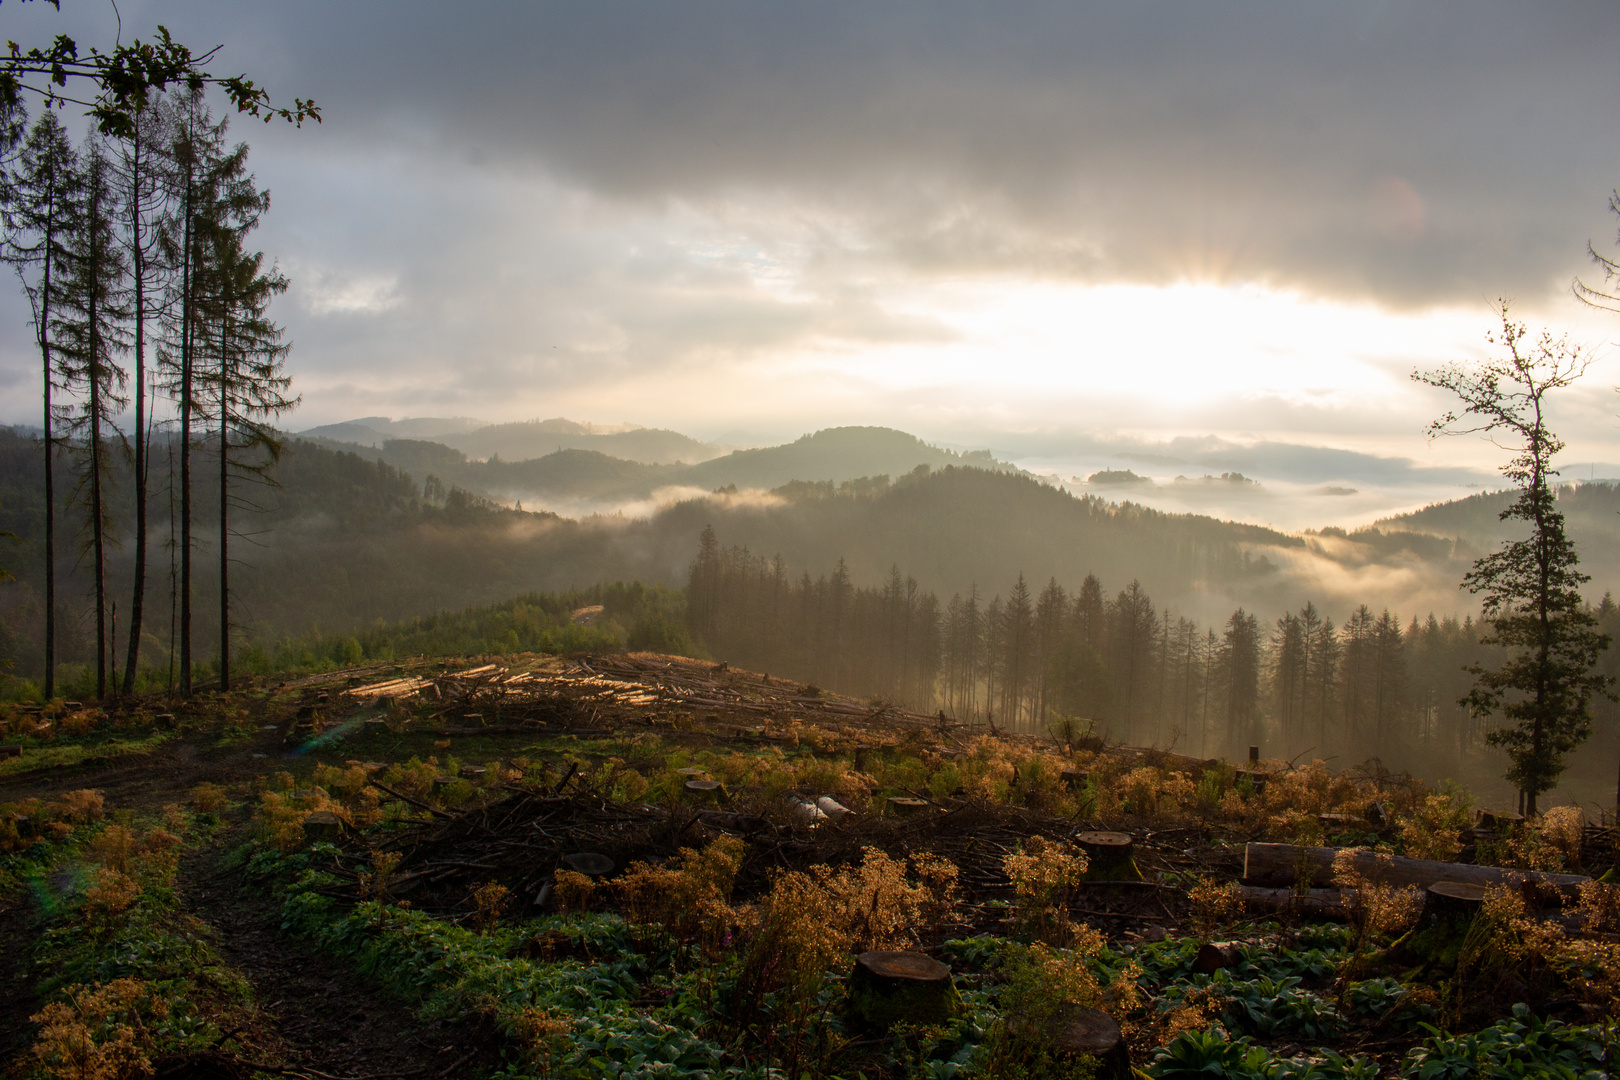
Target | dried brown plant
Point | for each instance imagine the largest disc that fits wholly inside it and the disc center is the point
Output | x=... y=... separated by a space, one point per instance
x=490 y=900
x=1431 y=831
x=542 y=1036
x=572 y=891
x=81 y=806
x=1561 y=829
x=110 y=894
x=1044 y=873
x=1214 y=906
x=1376 y=910
x=208 y=797
x=691 y=896
x=98 y=1032
x=374 y=884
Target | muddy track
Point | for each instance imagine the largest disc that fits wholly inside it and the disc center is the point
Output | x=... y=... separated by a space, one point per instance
x=17 y=934
x=316 y=1011
x=313 y=1011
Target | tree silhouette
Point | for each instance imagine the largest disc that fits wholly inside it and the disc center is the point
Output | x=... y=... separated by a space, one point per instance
x=88 y=322
x=1531 y=587
x=42 y=208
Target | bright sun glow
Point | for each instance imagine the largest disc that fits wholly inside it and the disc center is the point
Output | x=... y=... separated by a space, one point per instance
x=1183 y=346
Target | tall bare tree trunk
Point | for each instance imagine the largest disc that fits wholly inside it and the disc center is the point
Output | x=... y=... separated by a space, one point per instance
x=137 y=603
x=186 y=363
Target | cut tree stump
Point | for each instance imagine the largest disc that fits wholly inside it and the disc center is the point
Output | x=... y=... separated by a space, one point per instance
x=905 y=804
x=322 y=825
x=1431 y=948
x=1284 y=864
x=1256 y=778
x=1215 y=955
x=1087 y=1037
x=10 y=750
x=707 y=791
x=1497 y=821
x=1091 y=1033
x=1111 y=856
x=888 y=987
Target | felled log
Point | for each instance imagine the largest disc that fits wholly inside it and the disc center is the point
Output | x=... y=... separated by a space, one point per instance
x=888 y=987
x=804 y=812
x=1284 y=864
x=1111 y=856
x=833 y=808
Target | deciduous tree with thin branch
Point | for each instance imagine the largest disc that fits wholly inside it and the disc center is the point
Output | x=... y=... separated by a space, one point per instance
x=1531 y=588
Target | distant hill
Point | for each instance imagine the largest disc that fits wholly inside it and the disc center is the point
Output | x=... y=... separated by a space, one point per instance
x=835 y=454
x=376 y=430
x=523 y=441
x=958 y=526
x=530 y=440
x=1591 y=512
x=578 y=474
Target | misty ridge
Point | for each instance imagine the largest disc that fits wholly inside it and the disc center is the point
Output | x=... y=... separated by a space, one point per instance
x=344 y=534
x=349 y=551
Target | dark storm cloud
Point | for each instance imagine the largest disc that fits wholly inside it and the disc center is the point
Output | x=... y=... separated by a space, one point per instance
x=1413 y=153
x=509 y=201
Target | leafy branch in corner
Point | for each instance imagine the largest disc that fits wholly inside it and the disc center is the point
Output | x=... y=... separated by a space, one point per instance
x=123 y=77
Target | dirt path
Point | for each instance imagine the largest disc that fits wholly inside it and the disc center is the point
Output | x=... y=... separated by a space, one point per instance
x=320 y=1013
x=314 y=1011
x=16 y=947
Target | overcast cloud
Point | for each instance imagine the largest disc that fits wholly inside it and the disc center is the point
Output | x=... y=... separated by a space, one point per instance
x=972 y=221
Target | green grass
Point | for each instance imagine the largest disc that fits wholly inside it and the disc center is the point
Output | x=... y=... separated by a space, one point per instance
x=60 y=755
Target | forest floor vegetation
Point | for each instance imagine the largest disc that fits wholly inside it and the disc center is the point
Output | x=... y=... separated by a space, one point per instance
x=525 y=866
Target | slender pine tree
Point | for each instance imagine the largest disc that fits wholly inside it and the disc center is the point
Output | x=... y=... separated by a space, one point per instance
x=43 y=209
x=88 y=322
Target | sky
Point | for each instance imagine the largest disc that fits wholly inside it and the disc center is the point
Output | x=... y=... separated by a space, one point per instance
x=1157 y=236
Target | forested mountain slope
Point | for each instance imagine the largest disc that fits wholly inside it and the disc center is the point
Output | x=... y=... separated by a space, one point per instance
x=1591 y=514
x=343 y=541
x=575 y=476
x=835 y=454
x=520 y=441
x=956 y=526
